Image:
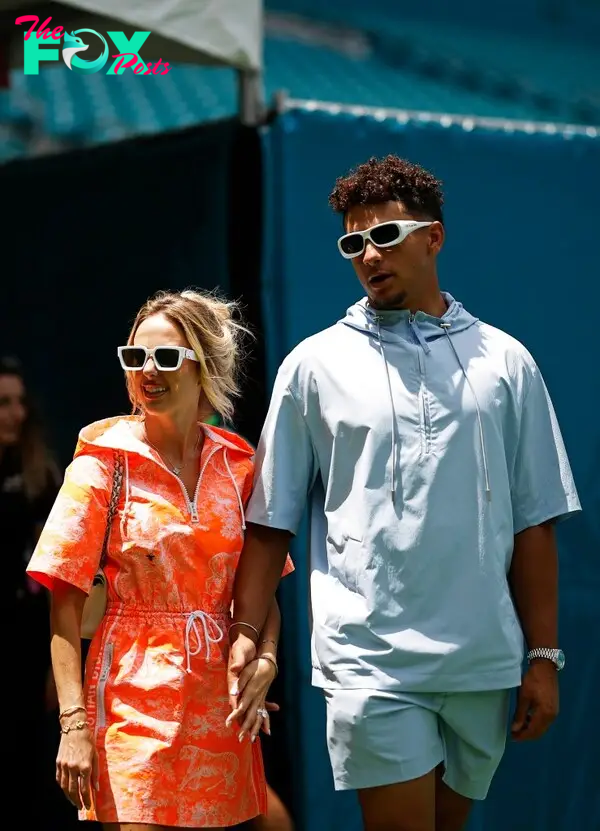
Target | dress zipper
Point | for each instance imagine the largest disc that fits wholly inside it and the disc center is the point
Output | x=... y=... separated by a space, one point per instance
x=191 y=505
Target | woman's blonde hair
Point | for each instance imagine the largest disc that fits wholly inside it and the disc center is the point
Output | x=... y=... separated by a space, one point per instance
x=208 y=324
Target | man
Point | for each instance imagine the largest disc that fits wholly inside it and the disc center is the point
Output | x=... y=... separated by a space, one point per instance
x=430 y=449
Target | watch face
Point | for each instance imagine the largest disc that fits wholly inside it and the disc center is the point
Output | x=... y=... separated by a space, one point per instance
x=560 y=659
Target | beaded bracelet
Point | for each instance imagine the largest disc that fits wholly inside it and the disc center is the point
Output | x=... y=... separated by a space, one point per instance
x=79 y=725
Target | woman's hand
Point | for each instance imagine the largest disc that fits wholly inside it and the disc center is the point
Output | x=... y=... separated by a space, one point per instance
x=241 y=653
x=76 y=765
x=251 y=710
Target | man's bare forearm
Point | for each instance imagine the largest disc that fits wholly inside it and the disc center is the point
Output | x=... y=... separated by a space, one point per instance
x=269 y=637
x=533 y=578
x=258 y=574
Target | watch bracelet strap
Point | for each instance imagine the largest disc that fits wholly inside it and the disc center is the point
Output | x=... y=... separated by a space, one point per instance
x=543 y=652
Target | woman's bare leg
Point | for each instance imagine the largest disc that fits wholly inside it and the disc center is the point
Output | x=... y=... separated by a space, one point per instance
x=276 y=818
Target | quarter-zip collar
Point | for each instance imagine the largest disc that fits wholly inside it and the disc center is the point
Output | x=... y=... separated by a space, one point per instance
x=116 y=433
x=392 y=326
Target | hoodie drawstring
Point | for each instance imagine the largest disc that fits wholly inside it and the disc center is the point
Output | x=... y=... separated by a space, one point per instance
x=237 y=490
x=488 y=492
x=427 y=349
x=394 y=422
x=418 y=335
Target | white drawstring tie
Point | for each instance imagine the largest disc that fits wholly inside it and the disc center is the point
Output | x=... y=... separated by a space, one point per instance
x=191 y=625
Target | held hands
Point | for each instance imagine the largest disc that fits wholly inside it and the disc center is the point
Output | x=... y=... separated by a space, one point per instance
x=76 y=763
x=537 y=702
x=242 y=652
x=249 y=678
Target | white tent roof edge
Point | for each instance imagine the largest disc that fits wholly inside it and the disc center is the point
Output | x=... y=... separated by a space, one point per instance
x=228 y=31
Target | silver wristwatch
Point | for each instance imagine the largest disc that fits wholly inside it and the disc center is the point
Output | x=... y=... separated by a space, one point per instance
x=557 y=656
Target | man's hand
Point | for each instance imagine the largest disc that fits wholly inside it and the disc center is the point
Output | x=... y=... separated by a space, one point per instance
x=242 y=652
x=537 y=701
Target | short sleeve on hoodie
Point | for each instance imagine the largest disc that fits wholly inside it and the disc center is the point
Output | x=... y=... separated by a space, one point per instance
x=285 y=462
x=542 y=484
x=288 y=567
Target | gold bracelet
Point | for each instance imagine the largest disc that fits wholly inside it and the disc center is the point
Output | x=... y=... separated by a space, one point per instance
x=79 y=725
x=76 y=708
x=271 y=661
x=242 y=623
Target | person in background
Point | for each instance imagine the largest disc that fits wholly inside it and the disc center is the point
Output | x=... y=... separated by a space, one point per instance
x=29 y=482
x=148 y=741
x=429 y=446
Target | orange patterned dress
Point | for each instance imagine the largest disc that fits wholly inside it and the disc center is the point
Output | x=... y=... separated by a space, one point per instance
x=156 y=686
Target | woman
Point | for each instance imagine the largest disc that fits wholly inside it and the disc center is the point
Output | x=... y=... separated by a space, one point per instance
x=28 y=487
x=146 y=741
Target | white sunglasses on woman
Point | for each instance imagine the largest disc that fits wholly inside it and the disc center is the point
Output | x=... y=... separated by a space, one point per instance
x=384 y=235
x=166 y=358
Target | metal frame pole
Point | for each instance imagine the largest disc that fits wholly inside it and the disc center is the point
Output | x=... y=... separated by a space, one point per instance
x=251 y=97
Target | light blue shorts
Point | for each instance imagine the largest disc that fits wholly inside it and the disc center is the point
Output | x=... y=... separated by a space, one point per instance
x=381 y=738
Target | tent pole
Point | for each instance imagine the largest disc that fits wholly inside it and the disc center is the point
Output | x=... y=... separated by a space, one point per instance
x=251 y=104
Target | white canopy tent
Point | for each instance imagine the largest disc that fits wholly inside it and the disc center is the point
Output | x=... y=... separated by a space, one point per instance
x=225 y=33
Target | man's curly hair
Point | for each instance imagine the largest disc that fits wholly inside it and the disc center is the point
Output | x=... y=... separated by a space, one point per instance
x=386 y=180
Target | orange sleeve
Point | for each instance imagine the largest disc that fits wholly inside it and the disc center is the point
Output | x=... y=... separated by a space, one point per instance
x=70 y=545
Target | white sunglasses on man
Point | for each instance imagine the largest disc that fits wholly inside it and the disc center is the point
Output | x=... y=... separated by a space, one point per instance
x=166 y=358
x=385 y=235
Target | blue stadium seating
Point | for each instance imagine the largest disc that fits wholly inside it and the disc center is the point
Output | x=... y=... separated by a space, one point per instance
x=398 y=63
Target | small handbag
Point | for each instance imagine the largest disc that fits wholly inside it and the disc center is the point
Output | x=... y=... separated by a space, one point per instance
x=95 y=604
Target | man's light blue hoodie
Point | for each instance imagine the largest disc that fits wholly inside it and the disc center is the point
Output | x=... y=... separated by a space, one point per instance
x=425 y=445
